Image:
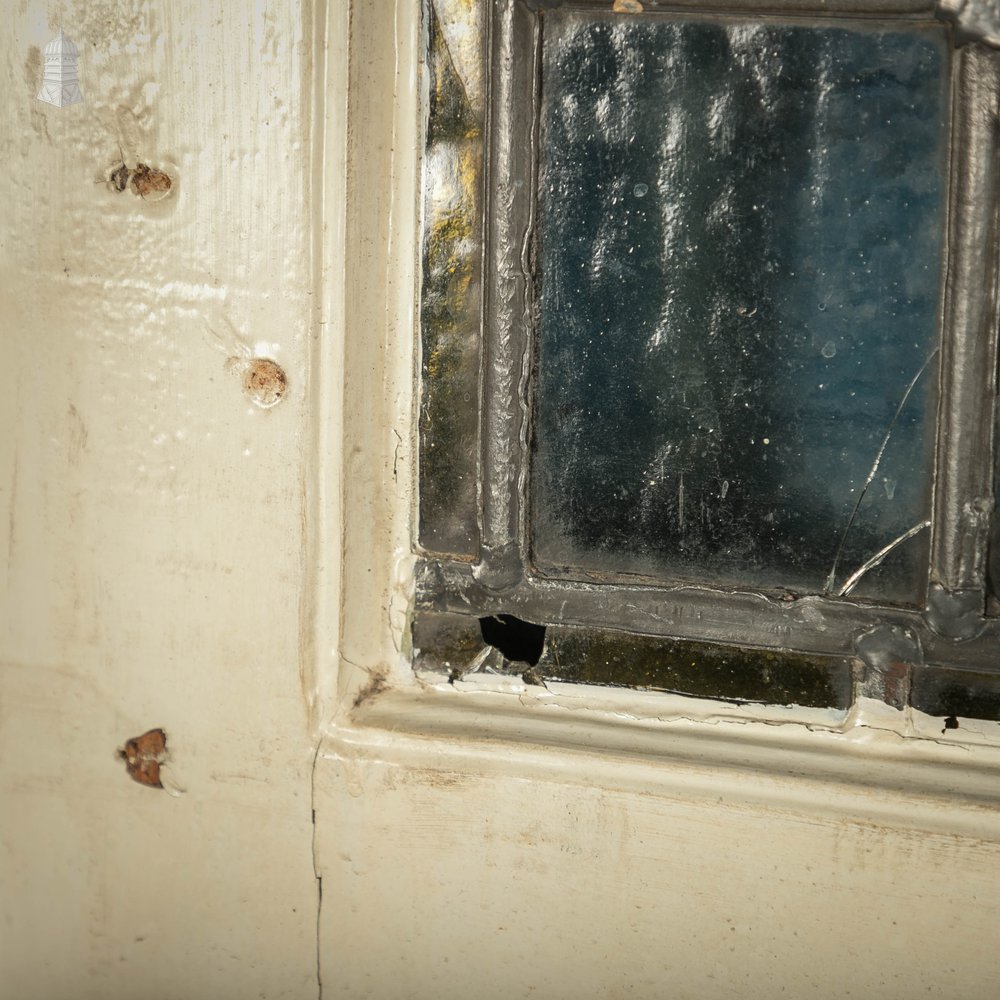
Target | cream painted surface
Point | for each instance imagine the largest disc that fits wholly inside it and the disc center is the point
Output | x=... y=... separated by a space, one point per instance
x=152 y=516
x=519 y=873
x=177 y=557
x=521 y=843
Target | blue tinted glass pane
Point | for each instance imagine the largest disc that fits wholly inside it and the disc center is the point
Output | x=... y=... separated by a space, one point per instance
x=741 y=235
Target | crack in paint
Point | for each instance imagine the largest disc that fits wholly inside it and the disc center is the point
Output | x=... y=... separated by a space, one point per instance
x=316 y=872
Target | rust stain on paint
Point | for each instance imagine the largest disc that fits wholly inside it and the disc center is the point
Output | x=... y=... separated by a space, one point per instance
x=143 y=756
x=265 y=382
x=150 y=183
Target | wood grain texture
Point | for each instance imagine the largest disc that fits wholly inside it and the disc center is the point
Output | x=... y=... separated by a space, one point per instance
x=152 y=515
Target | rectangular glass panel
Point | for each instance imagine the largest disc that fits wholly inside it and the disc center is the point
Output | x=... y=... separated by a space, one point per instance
x=700 y=669
x=455 y=644
x=451 y=296
x=993 y=549
x=741 y=235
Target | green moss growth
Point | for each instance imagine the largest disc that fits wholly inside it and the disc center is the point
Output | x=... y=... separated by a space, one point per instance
x=702 y=670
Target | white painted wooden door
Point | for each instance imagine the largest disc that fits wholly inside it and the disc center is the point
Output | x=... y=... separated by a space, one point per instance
x=180 y=557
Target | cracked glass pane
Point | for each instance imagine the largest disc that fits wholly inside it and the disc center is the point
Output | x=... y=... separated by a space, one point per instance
x=451 y=294
x=455 y=645
x=740 y=241
x=451 y=643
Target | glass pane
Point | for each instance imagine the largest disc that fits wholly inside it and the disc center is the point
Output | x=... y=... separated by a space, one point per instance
x=451 y=292
x=454 y=644
x=700 y=669
x=451 y=643
x=993 y=550
x=944 y=691
x=741 y=236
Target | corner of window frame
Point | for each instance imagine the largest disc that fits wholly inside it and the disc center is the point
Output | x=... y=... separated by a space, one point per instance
x=952 y=635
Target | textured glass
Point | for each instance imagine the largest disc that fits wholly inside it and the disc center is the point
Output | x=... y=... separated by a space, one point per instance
x=993 y=548
x=451 y=294
x=740 y=238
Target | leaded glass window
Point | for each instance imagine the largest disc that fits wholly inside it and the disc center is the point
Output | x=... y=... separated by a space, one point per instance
x=708 y=346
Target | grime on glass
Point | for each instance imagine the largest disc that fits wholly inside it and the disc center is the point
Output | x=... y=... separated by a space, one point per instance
x=708 y=350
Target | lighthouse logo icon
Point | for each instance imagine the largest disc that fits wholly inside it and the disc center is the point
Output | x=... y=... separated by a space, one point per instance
x=60 y=85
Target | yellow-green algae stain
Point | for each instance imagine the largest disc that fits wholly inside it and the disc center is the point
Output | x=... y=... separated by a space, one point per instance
x=450 y=297
x=703 y=670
